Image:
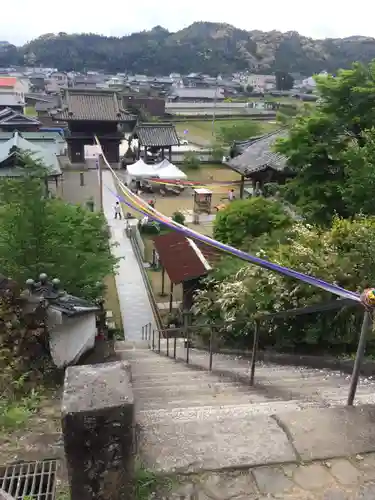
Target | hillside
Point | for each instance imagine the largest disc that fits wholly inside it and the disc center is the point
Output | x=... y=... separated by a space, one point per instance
x=202 y=47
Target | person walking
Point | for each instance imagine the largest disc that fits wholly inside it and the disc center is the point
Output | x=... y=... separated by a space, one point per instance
x=231 y=195
x=118 y=211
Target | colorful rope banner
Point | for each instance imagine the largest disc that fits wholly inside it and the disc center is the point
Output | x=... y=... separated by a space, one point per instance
x=141 y=206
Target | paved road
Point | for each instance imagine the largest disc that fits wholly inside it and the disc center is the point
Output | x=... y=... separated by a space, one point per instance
x=135 y=306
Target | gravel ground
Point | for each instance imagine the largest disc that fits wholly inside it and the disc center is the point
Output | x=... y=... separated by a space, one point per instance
x=73 y=192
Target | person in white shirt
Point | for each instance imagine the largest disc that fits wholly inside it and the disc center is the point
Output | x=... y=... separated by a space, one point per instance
x=118 y=211
x=231 y=195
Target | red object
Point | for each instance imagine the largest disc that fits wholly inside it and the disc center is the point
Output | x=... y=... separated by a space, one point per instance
x=9 y=81
x=179 y=257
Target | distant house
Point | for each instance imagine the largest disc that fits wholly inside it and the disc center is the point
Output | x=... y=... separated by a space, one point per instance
x=43 y=107
x=195 y=80
x=88 y=81
x=11 y=120
x=37 y=82
x=13 y=86
x=197 y=95
x=46 y=140
x=11 y=101
x=155 y=106
x=60 y=78
x=11 y=158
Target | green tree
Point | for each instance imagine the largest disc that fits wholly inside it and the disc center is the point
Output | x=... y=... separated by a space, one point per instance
x=342 y=255
x=240 y=131
x=218 y=152
x=320 y=146
x=284 y=81
x=40 y=234
x=242 y=220
x=358 y=191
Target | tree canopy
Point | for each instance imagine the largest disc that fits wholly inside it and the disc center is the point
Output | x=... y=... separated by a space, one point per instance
x=42 y=234
x=243 y=220
x=330 y=149
x=205 y=47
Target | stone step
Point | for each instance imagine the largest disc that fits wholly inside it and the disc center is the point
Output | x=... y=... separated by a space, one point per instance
x=173 y=378
x=232 y=439
x=166 y=402
x=208 y=413
x=131 y=345
x=192 y=390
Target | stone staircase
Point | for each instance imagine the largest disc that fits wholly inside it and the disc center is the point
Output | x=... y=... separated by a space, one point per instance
x=190 y=419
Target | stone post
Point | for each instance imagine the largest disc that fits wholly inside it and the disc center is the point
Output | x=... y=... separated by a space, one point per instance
x=98 y=431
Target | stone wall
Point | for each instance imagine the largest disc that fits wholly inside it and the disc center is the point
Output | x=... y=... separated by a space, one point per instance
x=98 y=430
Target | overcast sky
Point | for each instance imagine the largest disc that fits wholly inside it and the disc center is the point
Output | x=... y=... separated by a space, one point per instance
x=318 y=19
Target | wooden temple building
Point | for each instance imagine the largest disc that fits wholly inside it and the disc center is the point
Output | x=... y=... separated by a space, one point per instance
x=155 y=140
x=90 y=113
x=256 y=161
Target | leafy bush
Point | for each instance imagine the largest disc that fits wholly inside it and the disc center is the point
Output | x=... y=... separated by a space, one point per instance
x=179 y=218
x=250 y=218
x=151 y=227
x=191 y=161
x=342 y=255
x=218 y=152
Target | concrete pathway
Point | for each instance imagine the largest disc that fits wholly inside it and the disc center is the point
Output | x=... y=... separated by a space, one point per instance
x=135 y=306
x=349 y=478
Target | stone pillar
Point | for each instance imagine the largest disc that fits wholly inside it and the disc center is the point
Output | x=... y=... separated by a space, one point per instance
x=98 y=431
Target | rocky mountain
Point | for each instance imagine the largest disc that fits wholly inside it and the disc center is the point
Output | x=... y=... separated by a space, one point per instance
x=202 y=47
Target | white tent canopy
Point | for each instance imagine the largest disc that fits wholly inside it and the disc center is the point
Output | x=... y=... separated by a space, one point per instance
x=166 y=170
x=140 y=170
x=163 y=170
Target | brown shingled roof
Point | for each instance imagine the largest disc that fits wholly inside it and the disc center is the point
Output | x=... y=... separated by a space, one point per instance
x=156 y=134
x=92 y=105
x=182 y=258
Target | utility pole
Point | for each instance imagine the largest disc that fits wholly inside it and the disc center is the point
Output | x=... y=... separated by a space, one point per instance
x=214 y=111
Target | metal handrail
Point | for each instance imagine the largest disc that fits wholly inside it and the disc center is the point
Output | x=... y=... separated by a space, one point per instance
x=146 y=281
x=328 y=306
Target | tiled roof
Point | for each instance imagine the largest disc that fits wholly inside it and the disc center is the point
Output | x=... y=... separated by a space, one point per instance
x=92 y=105
x=10 y=117
x=18 y=144
x=156 y=134
x=181 y=257
x=10 y=100
x=8 y=81
x=62 y=301
x=260 y=155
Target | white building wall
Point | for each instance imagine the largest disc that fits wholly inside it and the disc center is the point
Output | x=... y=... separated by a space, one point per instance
x=69 y=340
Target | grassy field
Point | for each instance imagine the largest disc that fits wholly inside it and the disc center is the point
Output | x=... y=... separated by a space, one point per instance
x=111 y=301
x=201 y=131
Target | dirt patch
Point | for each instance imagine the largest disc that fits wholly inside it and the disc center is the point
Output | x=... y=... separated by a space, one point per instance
x=40 y=438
